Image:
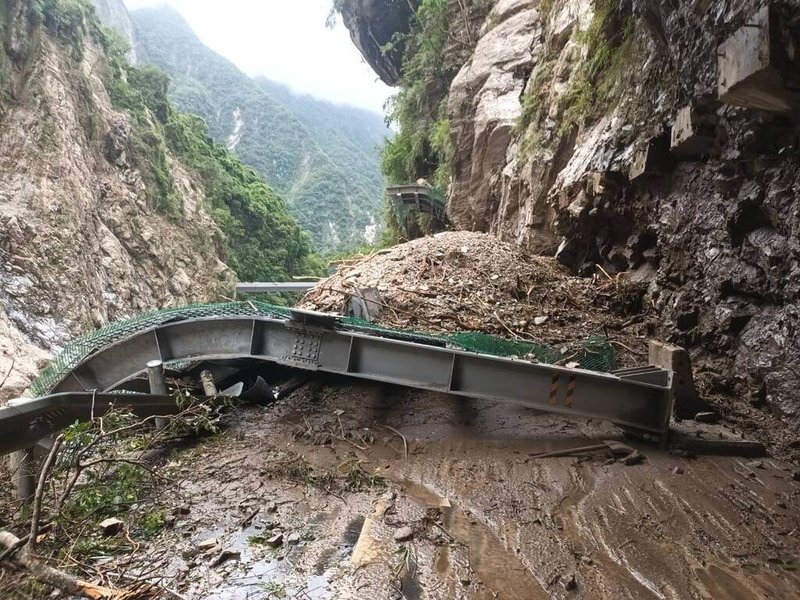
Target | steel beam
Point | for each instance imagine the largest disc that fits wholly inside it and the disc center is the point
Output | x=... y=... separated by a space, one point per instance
x=275 y=287
x=639 y=398
x=25 y=422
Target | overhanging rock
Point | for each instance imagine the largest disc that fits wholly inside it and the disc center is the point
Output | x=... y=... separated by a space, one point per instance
x=759 y=65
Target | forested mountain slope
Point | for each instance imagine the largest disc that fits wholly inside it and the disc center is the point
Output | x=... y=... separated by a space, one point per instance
x=112 y=202
x=323 y=158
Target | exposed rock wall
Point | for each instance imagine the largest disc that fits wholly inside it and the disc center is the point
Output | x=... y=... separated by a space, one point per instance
x=484 y=106
x=562 y=123
x=714 y=231
x=376 y=27
x=79 y=246
x=113 y=14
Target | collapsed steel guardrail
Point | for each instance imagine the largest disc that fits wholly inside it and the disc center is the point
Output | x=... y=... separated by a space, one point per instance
x=639 y=398
x=23 y=423
x=274 y=287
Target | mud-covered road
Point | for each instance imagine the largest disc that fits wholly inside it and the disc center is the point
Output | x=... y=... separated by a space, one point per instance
x=467 y=514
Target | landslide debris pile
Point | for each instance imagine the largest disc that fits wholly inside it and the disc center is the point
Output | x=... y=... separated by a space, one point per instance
x=462 y=281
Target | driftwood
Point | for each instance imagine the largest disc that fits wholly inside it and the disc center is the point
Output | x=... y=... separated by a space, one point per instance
x=26 y=560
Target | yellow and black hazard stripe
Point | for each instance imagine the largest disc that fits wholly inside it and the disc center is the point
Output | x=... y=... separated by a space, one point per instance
x=571 y=385
x=554 y=386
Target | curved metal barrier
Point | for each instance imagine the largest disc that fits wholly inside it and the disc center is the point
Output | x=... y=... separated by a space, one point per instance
x=24 y=422
x=636 y=398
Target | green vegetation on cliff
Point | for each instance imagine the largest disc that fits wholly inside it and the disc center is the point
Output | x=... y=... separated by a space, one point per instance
x=264 y=242
x=69 y=20
x=442 y=36
x=594 y=81
x=323 y=158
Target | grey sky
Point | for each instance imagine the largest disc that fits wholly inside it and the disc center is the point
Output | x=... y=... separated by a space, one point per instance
x=287 y=41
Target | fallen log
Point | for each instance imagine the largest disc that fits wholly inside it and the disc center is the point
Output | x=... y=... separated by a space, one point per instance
x=53 y=577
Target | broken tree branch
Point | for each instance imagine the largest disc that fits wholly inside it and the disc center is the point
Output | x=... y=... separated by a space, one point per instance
x=53 y=577
x=10 y=369
x=37 y=498
x=402 y=437
x=13 y=548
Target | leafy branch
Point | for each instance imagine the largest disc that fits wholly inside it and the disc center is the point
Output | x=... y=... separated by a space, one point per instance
x=93 y=470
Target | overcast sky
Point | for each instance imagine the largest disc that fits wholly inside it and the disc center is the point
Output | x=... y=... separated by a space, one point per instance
x=287 y=41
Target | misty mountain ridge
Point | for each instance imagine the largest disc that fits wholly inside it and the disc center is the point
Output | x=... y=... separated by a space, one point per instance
x=322 y=157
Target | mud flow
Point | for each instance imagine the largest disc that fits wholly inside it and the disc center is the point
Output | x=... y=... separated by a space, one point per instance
x=371 y=492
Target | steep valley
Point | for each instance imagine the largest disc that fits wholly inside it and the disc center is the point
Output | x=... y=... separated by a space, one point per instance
x=323 y=158
x=103 y=214
x=616 y=172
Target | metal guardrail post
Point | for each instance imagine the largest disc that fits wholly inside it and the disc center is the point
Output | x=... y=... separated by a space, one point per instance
x=23 y=467
x=158 y=386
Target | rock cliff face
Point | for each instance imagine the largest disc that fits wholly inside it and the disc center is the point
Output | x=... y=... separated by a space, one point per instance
x=79 y=246
x=484 y=106
x=374 y=26
x=656 y=139
x=114 y=14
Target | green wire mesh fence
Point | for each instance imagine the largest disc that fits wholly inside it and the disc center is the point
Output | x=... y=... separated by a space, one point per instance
x=79 y=349
x=595 y=354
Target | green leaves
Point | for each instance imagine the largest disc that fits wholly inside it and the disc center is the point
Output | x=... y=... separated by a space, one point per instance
x=152 y=85
x=435 y=49
x=262 y=241
x=69 y=20
x=107 y=496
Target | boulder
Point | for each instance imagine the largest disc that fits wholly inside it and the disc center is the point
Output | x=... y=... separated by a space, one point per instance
x=111 y=527
x=484 y=106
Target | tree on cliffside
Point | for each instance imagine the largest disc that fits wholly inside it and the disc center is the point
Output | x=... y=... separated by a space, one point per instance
x=440 y=37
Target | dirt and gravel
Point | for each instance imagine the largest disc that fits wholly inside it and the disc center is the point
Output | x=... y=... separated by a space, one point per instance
x=373 y=492
x=463 y=281
x=364 y=491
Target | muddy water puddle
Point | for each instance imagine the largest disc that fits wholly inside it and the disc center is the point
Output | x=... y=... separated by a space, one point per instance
x=497 y=571
x=258 y=571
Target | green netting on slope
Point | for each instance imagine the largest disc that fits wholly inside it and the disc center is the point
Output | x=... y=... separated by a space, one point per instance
x=76 y=351
x=594 y=353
